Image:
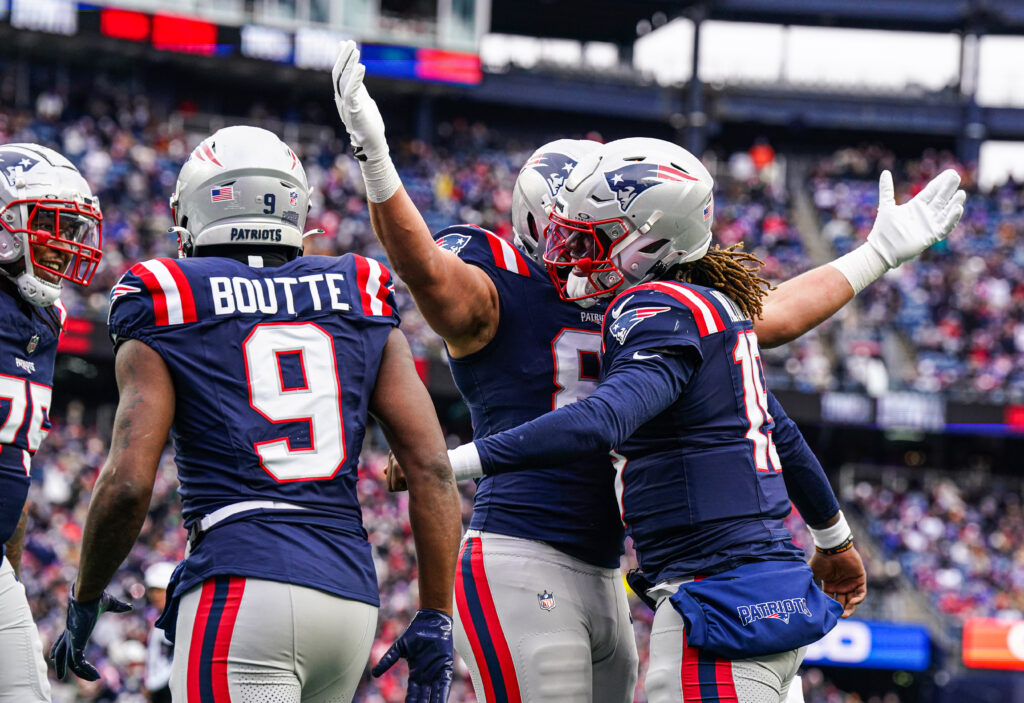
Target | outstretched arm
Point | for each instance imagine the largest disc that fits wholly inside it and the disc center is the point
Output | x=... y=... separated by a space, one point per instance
x=458 y=300
x=900 y=233
x=120 y=498
x=632 y=393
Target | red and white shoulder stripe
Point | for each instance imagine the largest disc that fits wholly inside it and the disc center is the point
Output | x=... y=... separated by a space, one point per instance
x=373 y=279
x=62 y=311
x=173 y=302
x=507 y=256
x=704 y=311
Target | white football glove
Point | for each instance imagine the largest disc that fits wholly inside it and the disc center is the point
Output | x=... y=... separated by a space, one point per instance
x=901 y=232
x=364 y=124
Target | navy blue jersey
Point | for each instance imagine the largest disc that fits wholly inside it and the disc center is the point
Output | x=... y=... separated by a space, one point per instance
x=545 y=354
x=273 y=369
x=28 y=350
x=700 y=484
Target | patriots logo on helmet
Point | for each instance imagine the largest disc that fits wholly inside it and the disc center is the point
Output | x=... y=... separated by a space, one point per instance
x=555 y=168
x=624 y=322
x=453 y=242
x=15 y=163
x=630 y=181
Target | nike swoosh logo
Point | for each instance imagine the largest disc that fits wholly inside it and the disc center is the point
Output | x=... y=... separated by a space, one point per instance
x=642 y=357
x=618 y=311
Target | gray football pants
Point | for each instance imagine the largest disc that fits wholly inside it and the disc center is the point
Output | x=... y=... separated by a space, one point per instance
x=534 y=624
x=22 y=667
x=252 y=641
x=678 y=673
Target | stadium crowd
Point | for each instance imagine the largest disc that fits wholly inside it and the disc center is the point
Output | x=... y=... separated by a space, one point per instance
x=960 y=541
x=964 y=321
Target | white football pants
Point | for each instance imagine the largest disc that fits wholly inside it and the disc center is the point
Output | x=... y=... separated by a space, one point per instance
x=22 y=667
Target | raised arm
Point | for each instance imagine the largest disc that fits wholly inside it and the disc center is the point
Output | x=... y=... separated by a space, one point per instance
x=900 y=233
x=120 y=498
x=458 y=300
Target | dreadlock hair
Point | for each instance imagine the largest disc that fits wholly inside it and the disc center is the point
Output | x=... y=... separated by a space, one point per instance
x=731 y=271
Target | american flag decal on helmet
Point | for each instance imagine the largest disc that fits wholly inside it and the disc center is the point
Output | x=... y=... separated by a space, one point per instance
x=632 y=180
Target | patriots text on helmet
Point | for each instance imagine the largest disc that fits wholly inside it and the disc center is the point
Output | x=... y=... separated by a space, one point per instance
x=246 y=234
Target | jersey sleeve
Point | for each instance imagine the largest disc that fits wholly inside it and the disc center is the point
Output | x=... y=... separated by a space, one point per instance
x=643 y=320
x=806 y=483
x=131 y=314
x=151 y=295
x=477 y=246
x=375 y=290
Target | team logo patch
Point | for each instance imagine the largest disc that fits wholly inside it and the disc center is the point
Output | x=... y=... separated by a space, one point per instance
x=121 y=289
x=454 y=242
x=26 y=366
x=14 y=164
x=773 y=610
x=624 y=322
x=553 y=167
x=632 y=180
x=222 y=194
x=546 y=600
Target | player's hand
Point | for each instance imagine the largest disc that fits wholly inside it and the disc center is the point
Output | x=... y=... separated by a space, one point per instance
x=68 y=652
x=901 y=232
x=355 y=106
x=842 y=577
x=394 y=476
x=427 y=645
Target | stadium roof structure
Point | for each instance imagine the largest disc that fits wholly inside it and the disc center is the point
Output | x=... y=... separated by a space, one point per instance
x=617 y=21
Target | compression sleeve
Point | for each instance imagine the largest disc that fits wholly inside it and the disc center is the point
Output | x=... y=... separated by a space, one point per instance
x=630 y=395
x=806 y=483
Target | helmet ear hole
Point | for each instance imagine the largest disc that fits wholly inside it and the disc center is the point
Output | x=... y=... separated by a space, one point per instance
x=531 y=222
x=654 y=247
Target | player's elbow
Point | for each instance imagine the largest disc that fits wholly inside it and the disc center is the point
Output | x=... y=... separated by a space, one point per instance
x=430 y=473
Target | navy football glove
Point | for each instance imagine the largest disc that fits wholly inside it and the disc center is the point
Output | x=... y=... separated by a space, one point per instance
x=427 y=645
x=69 y=649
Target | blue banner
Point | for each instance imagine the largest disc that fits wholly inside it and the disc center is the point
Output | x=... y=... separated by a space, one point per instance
x=867 y=644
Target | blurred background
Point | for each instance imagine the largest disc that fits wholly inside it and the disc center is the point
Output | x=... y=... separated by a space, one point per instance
x=913 y=396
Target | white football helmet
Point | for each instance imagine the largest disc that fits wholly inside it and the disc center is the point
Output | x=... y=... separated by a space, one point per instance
x=629 y=212
x=49 y=220
x=240 y=186
x=539 y=181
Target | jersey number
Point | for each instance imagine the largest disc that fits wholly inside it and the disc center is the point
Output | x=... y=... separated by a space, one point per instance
x=29 y=401
x=755 y=401
x=315 y=400
x=568 y=350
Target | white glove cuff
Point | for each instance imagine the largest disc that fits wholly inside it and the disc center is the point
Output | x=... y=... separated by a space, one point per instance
x=381 y=178
x=861 y=267
x=830 y=537
x=465 y=461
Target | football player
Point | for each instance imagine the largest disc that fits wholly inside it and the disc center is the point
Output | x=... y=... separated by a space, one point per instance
x=265 y=367
x=683 y=410
x=541 y=612
x=50 y=232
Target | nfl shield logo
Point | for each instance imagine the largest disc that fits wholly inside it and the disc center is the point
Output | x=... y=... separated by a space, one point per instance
x=546 y=600
x=32 y=344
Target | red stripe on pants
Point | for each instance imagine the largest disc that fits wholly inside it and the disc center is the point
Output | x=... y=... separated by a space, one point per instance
x=221 y=646
x=508 y=669
x=195 y=647
x=467 y=623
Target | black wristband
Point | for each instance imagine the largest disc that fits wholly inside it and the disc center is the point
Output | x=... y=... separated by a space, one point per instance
x=845 y=545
